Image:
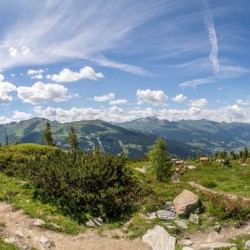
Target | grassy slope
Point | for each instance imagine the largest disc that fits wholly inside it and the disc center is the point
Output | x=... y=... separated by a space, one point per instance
x=234 y=179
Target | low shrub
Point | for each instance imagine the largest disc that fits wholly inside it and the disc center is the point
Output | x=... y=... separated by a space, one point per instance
x=225 y=208
x=79 y=183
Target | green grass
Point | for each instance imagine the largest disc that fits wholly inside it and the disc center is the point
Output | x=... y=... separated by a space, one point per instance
x=240 y=241
x=20 y=196
x=234 y=179
x=7 y=246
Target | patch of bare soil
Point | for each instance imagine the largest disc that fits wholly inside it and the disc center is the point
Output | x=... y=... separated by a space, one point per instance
x=19 y=229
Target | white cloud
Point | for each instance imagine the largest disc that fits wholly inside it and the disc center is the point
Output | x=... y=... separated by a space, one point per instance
x=13 y=51
x=67 y=75
x=25 y=51
x=151 y=96
x=213 y=41
x=230 y=113
x=243 y=102
x=112 y=114
x=226 y=72
x=179 y=98
x=105 y=62
x=19 y=116
x=105 y=98
x=5 y=89
x=35 y=74
x=40 y=92
x=118 y=102
x=199 y=103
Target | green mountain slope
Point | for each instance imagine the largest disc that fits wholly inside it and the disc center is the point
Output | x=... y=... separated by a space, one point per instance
x=108 y=137
x=207 y=135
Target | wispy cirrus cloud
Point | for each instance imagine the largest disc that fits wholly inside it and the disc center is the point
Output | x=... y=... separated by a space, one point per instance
x=212 y=39
x=59 y=30
x=226 y=72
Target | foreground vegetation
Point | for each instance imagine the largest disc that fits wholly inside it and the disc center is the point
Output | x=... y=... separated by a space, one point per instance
x=66 y=189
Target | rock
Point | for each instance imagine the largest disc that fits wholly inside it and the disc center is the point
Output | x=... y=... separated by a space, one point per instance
x=44 y=242
x=194 y=218
x=169 y=206
x=233 y=248
x=187 y=248
x=94 y=222
x=216 y=245
x=19 y=233
x=170 y=226
x=217 y=228
x=181 y=223
x=159 y=239
x=151 y=216
x=98 y=221
x=187 y=243
x=186 y=203
x=90 y=223
x=38 y=223
x=247 y=244
x=166 y=215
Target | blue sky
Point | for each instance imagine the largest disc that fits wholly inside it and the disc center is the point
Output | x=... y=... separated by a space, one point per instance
x=123 y=60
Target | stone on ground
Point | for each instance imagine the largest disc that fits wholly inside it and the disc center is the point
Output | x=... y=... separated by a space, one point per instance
x=159 y=239
x=247 y=244
x=216 y=245
x=194 y=218
x=186 y=203
x=166 y=215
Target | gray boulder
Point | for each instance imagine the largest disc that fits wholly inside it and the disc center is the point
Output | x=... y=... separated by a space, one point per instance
x=166 y=215
x=247 y=244
x=181 y=223
x=159 y=239
x=186 y=203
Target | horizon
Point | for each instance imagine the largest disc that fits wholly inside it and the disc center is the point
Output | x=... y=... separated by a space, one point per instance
x=118 y=62
x=117 y=123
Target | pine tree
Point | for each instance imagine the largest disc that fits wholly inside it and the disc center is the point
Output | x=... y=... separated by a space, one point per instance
x=73 y=140
x=6 y=138
x=161 y=160
x=47 y=135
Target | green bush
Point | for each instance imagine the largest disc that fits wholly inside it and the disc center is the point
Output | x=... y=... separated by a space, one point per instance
x=225 y=208
x=80 y=183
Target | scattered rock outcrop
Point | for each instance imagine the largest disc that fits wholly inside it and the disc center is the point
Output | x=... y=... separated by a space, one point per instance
x=159 y=239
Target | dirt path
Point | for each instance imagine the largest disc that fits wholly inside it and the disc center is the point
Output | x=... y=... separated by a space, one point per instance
x=19 y=229
x=226 y=195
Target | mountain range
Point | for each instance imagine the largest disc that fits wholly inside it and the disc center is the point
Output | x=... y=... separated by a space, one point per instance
x=208 y=136
x=184 y=138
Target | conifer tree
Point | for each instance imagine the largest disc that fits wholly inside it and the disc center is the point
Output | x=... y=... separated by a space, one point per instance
x=73 y=140
x=47 y=135
x=161 y=160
